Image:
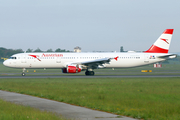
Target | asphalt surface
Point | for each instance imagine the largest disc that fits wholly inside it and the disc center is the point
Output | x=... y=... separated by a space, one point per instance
x=83 y=76
x=66 y=110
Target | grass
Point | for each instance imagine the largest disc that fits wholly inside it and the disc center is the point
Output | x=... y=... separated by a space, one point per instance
x=142 y=98
x=10 y=111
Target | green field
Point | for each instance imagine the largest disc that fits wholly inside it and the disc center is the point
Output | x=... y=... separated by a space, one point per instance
x=143 y=98
x=10 y=111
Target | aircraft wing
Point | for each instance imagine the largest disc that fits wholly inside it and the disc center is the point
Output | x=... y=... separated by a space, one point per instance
x=95 y=63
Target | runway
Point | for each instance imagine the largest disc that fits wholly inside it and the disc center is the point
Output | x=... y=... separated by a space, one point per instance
x=66 y=110
x=83 y=76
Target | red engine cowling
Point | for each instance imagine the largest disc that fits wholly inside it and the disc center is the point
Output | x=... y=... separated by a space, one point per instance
x=72 y=69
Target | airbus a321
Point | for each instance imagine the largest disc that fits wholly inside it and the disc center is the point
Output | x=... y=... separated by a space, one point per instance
x=77 y=62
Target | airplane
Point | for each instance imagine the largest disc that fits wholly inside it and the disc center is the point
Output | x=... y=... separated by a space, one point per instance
x=77 y=62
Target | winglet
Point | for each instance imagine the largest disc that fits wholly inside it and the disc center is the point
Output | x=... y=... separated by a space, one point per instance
x=162 y=43
x=116 y=58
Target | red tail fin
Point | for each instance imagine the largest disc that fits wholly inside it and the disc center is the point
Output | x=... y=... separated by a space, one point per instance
x=162 y=43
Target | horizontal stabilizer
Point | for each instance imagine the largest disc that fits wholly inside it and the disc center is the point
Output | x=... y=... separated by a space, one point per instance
x=168 y=56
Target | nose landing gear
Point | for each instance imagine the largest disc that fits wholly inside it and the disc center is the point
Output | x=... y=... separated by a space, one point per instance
x=23 y=73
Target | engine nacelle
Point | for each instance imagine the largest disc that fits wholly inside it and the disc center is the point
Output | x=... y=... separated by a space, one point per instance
x=101 y=66
x=71 y=69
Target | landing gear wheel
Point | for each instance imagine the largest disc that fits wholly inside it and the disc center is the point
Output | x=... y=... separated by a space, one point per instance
x=23 y=74
x=89 y=73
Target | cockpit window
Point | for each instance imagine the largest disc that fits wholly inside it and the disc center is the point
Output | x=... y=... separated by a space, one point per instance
x=12 y=58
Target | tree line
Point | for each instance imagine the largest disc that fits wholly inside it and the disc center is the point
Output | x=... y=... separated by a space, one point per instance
x=6 y=53
x=49 y=50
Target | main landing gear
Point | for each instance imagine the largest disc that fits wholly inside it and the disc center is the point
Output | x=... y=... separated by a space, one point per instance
x=23 y=73
x=89 y=73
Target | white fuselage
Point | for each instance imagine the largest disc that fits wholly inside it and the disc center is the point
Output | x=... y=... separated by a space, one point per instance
x=61 y=60
x=77 y=62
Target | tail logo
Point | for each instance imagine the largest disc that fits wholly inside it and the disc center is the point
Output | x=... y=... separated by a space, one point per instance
x=165 y=40
x=162 y=43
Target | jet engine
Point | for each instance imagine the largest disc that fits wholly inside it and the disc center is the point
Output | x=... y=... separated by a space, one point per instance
x=71 y=69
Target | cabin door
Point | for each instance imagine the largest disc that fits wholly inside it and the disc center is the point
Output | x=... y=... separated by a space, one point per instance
x=146 y=58
x=58 y=60
x=23 y=59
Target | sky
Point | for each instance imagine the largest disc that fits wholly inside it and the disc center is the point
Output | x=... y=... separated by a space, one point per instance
x=93 y=25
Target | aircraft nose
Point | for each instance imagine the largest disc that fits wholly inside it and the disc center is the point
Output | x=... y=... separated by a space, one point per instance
x=5 y=63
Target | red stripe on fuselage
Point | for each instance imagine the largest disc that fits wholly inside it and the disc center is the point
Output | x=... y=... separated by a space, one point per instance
x=155 y=49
